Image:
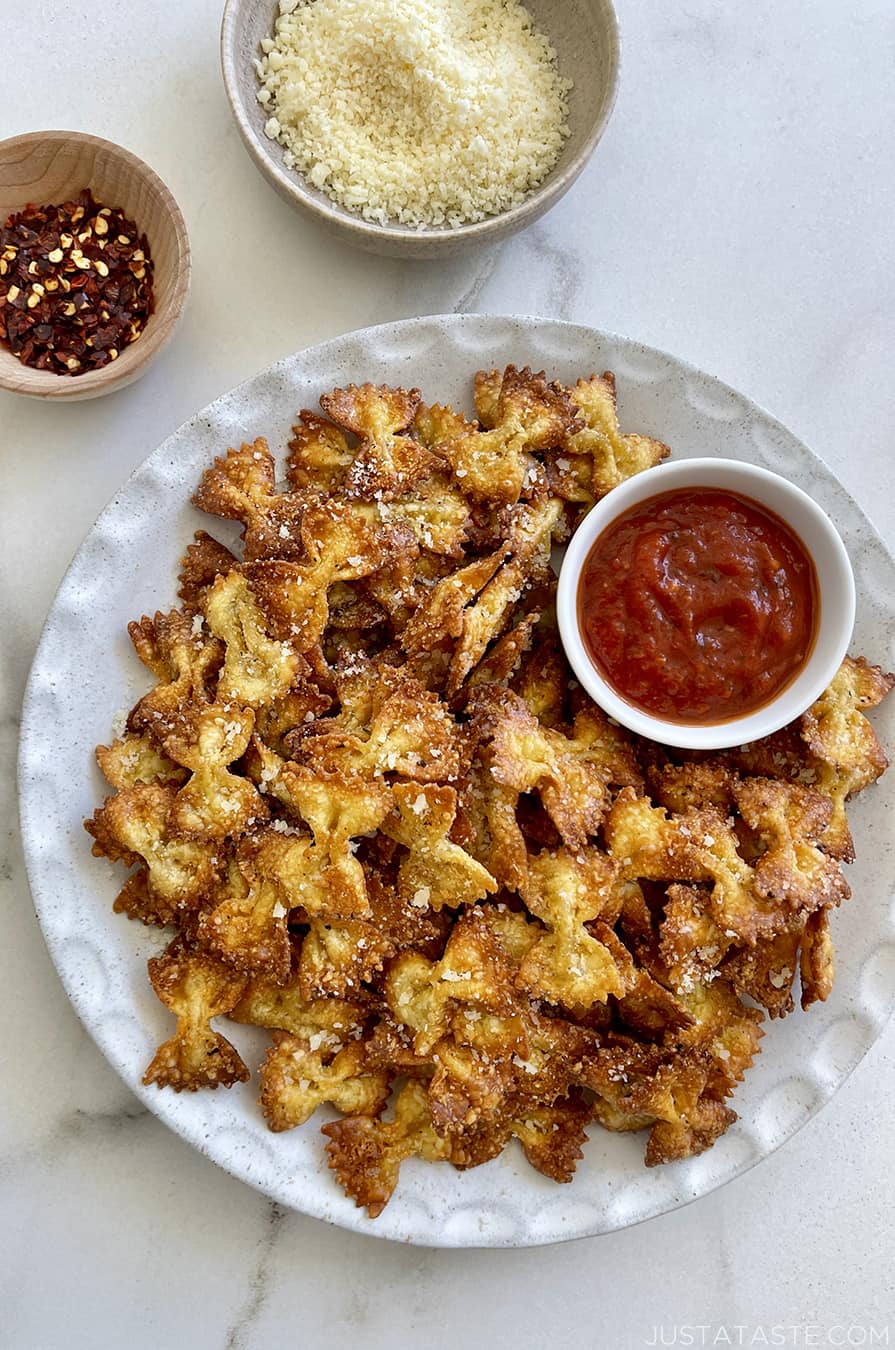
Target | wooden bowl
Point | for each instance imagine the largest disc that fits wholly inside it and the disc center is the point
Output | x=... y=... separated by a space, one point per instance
x=585 y=35
x=46 y=167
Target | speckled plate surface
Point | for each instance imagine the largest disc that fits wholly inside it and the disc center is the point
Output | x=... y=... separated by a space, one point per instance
x=85 y=671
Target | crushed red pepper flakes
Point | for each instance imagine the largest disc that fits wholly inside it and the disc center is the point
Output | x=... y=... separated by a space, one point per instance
x=75 y=285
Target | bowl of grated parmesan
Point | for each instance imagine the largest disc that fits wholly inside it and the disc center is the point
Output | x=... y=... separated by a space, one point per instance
x=419 y=127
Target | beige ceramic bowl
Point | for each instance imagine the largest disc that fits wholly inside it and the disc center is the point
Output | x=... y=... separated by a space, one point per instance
x=46 y=167
x=585 y=35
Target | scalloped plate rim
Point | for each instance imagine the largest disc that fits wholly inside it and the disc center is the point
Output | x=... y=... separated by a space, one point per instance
x=354 y=1219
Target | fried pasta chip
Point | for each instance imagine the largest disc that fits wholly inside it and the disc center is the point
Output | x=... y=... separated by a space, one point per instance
x=196 y=988
x=435 y=871
x=439 y=619
x=541 y=682
x=568 y=966
x=613 y=456
x=319 y=454
x=242 y=487
x=296 y=1079
x=327 y=1022
x=552 y=1135
x=816 y=963
x=487 y=825
x=474 y=974
x=568 y=772
x=486 y=618
x=487 y=385
x=338 y=956
x=214 y=803
x=204 y=561
x=765 y=971
x=389 y=829
x=135 y=824
x=696 y=846
x=639 y=1086
x=389 y=723
x=248 y=926
x=474 y=1070
x=184 y=663
x=136 y=759
x=387 y=462
x=788 y=822
x=257 y=668
x=646 y=1004
x=366 y=1153
x=846 y=755
x=435 y=513
x=339 y=809
x=692 y=787
x=301 y=704
x=502 y=661
x=690 y=942
x=528 y=415
x=341 y=545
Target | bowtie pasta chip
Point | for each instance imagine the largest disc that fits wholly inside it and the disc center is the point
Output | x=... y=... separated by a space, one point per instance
x=242 y=487
x=386 y=825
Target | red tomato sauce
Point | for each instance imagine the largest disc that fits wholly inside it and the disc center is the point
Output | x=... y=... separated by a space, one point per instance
x=698 y=605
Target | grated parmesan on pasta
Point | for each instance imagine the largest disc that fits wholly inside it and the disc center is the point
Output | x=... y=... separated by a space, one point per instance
x=421 y=112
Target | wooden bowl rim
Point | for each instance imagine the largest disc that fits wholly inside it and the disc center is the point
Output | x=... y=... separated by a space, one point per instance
x=19 y=378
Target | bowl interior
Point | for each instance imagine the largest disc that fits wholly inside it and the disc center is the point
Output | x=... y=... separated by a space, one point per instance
x=835 y=583
x=50 y=167
x=585 y=35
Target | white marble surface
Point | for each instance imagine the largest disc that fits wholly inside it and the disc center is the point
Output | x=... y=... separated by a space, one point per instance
x=737 y=213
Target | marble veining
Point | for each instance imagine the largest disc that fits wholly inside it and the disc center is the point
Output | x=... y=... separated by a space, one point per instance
x=738 y=214
x=240 y=1333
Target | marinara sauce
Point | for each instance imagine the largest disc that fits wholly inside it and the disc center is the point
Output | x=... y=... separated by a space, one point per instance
x=698 y=605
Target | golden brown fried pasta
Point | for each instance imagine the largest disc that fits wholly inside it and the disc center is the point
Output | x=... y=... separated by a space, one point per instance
x=257 y=667
x=613 y=456
x=846 y=755
x=525 y=756
x=366 y=1153
x=569 y=966
x=527 y=414
x=282 y=1007
x=435 y=871
x=135 y=824
x=204 y=561
x=389 y=723
x=242 y=487
x=386 y=825
x=319 y=454
x=339 y=809
x=339 y=955
x=184 y=662
x=196 y=988
x=206 y=739
x=247 y=928
x=386 y=462
x=136 y=759
x=297 y=1077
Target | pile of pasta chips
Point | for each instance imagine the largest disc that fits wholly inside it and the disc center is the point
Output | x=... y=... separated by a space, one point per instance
x=383 y=821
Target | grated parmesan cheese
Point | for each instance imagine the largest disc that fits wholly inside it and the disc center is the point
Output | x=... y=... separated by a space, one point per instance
x=424 y=112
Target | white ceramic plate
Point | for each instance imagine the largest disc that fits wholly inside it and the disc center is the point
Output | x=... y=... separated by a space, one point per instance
x=84 y=671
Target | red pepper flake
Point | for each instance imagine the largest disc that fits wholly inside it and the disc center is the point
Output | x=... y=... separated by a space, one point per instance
x=75 y=285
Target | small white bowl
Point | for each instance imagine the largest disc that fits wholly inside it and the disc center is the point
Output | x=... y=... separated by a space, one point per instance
x=835 y=581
